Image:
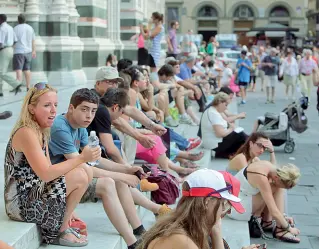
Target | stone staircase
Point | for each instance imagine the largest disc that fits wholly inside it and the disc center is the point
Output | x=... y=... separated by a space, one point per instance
x=101 y=232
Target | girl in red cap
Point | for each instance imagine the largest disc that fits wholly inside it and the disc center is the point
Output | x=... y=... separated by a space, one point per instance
x=208 y=196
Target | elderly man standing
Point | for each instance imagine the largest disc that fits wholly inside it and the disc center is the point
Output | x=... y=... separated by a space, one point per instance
x=24 y=50
x=307 y=67
x=7 y=40
x=270 y=65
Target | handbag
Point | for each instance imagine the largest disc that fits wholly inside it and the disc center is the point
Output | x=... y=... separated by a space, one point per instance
x=255 y=229
x=168 y=185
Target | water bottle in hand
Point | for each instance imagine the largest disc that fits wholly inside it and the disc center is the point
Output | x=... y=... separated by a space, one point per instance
x=93 y=142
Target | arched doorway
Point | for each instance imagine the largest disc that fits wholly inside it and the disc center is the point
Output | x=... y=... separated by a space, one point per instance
x=279 y=14
x=207 y=19
x=243 y=21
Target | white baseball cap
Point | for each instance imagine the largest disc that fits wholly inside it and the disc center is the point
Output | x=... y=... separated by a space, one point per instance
x=219 y=184
x=108 y=73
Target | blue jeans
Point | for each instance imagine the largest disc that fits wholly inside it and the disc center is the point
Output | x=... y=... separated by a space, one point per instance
x=181 y=142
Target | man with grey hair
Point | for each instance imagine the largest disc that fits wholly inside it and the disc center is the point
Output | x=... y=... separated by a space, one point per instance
x=307 y=67
x=24 y=50
x=270 y=65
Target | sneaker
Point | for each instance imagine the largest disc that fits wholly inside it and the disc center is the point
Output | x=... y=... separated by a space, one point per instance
x=272 y=102
x=194 y=145
x=185 y=120
x=193 y=139
x=164 y=210
x=146 y=186
x=267 y=101
x=169 y=121
x=243 y=102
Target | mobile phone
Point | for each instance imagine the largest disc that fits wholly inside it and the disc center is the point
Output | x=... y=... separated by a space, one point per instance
x=262 y=246
x=146 y=169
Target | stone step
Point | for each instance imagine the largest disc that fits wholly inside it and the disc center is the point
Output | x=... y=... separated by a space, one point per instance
x=101 y=232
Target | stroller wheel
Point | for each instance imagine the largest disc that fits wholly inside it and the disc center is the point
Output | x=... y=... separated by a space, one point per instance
x=289 y=147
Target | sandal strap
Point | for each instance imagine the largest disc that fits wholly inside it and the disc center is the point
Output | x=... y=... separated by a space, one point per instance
x=280 y=230
x=68 y=231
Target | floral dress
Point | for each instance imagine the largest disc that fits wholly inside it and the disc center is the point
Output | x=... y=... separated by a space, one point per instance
x=29 y=199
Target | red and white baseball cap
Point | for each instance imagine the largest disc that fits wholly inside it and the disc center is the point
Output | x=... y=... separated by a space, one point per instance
x=208 y=182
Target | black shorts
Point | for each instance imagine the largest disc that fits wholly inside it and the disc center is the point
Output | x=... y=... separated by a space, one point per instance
x=142 y=57
x=22 y=61
x=243 y=84
x=171 y=55
x=151 y=61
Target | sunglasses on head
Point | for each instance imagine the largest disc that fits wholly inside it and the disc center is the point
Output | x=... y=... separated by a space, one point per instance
x=38 y=87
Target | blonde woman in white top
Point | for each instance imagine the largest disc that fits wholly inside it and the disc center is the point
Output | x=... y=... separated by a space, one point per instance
x=290 y=71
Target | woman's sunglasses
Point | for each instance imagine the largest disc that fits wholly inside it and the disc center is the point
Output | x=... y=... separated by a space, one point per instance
x=261 y=146
x=38 y=87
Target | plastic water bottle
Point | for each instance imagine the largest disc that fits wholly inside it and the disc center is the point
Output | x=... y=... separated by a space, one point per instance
x=93 y=142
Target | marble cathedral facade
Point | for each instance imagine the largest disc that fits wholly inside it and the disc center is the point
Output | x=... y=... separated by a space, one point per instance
x=74 y=37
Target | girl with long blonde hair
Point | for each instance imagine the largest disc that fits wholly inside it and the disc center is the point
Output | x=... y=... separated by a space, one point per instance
x=35 y=190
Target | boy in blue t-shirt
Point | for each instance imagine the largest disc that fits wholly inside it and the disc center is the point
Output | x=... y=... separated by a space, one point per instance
x=244 y=66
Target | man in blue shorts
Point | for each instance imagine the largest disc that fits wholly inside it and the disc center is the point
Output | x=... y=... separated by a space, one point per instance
x=244 y=66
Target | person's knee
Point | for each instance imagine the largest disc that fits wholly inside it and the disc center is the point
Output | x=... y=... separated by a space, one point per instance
x=81 y=177
x=88 y=171
x=105 y=188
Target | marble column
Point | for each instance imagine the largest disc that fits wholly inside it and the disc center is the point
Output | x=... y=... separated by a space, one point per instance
x=78 y=45
x=32 y=14
x=115 y=19
x=94 y=29
x=60 y=47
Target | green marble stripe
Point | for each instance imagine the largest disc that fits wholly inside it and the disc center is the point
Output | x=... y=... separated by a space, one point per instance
x=126 y=36
x=130 y=22
x=73 y=29
x=92 y=11
x=35 y=26
x=53 y=28
x=95 y=58
x=91 y=31
x=62 y=61
x=130 y=54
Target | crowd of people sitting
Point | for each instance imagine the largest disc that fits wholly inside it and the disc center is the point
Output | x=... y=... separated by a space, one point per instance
x=47 y=175
x=133 y=110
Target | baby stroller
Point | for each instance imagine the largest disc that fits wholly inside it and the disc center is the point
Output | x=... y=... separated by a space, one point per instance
x=277 y=127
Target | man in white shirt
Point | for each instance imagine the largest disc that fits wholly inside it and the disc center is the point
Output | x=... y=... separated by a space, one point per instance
x=24 y=50
x=7 y=40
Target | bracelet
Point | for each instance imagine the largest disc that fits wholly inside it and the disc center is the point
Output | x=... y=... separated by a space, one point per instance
x=271 y=152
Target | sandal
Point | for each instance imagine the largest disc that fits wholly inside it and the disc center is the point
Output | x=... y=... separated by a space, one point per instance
x=59 y=240
x=267 y=225
x=290 y=239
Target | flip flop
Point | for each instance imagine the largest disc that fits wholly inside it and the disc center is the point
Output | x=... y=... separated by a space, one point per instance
x=59 y=240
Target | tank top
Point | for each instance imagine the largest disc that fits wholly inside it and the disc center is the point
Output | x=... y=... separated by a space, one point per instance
x=141 y=41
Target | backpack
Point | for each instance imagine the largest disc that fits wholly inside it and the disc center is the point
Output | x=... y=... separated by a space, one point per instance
x=168 y=190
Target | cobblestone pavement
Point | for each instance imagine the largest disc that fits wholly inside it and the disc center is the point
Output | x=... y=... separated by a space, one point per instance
x=303 y=200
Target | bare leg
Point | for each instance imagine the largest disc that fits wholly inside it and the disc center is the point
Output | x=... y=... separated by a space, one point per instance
x=192 y=115
x=190 y=156
x=106 y=190
x=163 y=103
x=180 y=101
x=76 y=185
x=19 y=75
x=162 y=161
x=127 y=202
x=27 y=75
x=140 y=199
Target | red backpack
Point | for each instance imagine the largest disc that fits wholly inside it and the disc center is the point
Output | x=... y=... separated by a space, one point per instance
x=168 y=190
